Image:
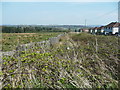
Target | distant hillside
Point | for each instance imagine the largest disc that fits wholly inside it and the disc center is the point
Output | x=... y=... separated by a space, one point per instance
x=94 y=25
x=66 y=26
x=38 y=28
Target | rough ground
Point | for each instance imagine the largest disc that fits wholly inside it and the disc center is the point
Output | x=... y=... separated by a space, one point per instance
x=78 y=61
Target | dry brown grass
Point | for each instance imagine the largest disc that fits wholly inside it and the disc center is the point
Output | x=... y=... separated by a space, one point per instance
x=80 y=66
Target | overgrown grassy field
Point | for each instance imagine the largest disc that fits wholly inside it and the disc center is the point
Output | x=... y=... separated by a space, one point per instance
x=77 y=61
x=11 y=40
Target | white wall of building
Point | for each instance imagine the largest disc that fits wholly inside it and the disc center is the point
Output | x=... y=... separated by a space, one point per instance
x=102 y=30
x=115 y=30
x=95 y=30
x=91 y=31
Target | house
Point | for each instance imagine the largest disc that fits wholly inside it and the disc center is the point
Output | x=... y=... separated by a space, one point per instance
x=100 y=30
x=90 y=30
x=80 y=30
x=112 y=28
x=116 y=28
x=94 y=30
x=85 y=30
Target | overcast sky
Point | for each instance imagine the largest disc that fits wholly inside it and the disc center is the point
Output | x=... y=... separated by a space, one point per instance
x=96 y=13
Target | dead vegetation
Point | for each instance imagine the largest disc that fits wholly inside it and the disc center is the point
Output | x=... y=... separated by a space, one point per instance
x=79 y=61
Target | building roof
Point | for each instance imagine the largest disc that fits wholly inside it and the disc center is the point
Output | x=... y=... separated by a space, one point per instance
x=99 y=28
x=111 y=24
x=95 y=28
x=117 y=25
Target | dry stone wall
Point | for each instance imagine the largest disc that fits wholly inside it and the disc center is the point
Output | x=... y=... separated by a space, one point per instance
x=43 y=44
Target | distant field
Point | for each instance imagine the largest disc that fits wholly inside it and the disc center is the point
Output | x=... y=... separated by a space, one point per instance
x=11 y=40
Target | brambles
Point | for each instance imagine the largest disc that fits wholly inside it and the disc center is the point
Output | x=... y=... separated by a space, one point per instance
x=80 y=66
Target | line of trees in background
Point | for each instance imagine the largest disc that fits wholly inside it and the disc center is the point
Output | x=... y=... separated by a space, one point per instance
x=30 y=29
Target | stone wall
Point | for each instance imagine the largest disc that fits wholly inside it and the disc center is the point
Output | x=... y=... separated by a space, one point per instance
x=43 y=44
